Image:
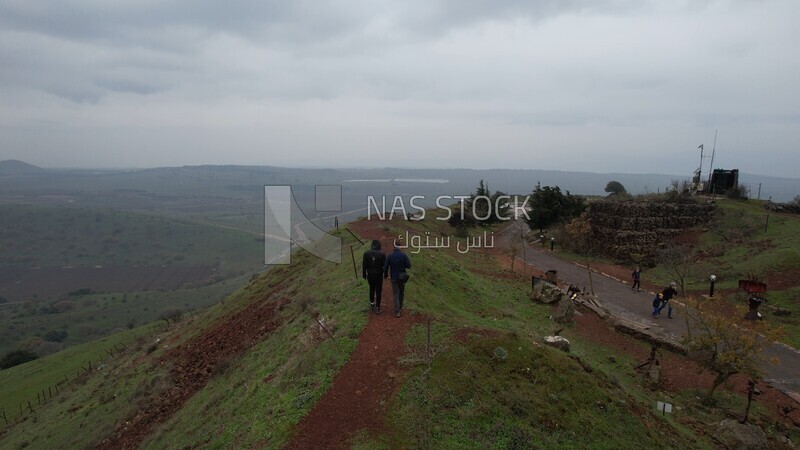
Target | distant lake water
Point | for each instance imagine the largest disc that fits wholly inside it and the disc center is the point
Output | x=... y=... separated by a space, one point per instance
x=401 y=180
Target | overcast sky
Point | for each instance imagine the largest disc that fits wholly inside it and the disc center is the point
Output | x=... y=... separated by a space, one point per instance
x=615 y=86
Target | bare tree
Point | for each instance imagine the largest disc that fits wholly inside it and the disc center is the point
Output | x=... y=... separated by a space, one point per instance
x=579 y=231
x=511 y=250
x=679 y=261
x=727 y=346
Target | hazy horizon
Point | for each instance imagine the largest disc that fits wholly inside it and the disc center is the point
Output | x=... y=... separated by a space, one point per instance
x=311 y=167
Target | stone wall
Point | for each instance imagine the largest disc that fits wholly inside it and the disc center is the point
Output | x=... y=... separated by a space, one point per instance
x=622 y=229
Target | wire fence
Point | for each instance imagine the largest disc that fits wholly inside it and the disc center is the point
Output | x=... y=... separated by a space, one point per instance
x=60 y=386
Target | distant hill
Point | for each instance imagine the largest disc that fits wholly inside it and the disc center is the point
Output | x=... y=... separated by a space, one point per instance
x=16 y=167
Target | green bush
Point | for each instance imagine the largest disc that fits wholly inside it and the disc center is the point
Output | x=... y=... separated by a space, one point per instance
x=17 y=357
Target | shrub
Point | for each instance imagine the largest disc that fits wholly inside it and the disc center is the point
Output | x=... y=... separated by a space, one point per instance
x=171 y=314
x=16 y=357
x=738 y=192
x=55 y=336
x=84 y=291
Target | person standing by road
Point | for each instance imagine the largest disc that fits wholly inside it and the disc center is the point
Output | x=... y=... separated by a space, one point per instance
x=397 y=262
x=371 y=269
x=667 y=295
x=636 y=276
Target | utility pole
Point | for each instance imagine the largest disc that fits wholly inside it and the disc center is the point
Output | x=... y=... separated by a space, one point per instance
x=700 y=168
x=713 y=152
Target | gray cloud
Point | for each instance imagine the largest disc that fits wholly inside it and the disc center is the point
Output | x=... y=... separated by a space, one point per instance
x=315 y=83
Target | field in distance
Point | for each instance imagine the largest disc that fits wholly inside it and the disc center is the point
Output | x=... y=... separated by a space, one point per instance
x=88 y=272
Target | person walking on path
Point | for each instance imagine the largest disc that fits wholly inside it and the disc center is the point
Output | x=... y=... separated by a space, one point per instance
x=397 y=262
x=371 y=269
x=657 y=304
x=667 y=295
x=637 y=276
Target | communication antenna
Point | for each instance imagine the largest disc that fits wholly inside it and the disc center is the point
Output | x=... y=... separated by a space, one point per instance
x=713 y=151
x=700 y=169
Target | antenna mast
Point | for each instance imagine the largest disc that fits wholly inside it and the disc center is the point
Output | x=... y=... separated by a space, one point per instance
x=700 y=169
x=713 y=151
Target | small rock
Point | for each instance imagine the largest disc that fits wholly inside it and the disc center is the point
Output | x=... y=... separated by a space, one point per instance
x=782 y=312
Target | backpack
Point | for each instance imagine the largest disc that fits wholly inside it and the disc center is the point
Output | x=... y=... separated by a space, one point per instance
x=403 y=277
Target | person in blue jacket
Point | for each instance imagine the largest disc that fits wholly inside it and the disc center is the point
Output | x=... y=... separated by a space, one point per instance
x=396 y=263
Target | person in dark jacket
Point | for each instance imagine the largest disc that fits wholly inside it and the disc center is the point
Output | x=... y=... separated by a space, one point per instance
x=637 y=277
x=657 y=300
x=667 y=294
x=396 y=263
x=371 y=269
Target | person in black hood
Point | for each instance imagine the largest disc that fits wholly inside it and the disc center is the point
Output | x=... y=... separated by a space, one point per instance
x=371 y=269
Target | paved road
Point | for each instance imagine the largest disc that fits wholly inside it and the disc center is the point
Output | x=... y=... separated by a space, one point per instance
x=621 y=301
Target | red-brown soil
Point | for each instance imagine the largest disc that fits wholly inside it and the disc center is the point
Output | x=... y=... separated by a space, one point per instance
x=362 y=391
x=785 y=279
x=374 y=229
x=193 y=364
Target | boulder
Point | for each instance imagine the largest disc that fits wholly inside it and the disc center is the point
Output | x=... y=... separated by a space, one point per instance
x=566 y=311
x=735 y=435
x=557 y=342
x=545 y=292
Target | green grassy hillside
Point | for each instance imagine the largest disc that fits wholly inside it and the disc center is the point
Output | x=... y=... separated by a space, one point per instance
x=93 y=316
x=490 y=384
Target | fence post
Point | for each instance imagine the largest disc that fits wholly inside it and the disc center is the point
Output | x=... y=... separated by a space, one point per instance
x=5 y=418
x=50 y=391
x=352 y=255
x=38 y=398
x=57 y=389
x=29 y=406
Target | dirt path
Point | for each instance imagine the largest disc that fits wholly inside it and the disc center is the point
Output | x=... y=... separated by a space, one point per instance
x=360 y=395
